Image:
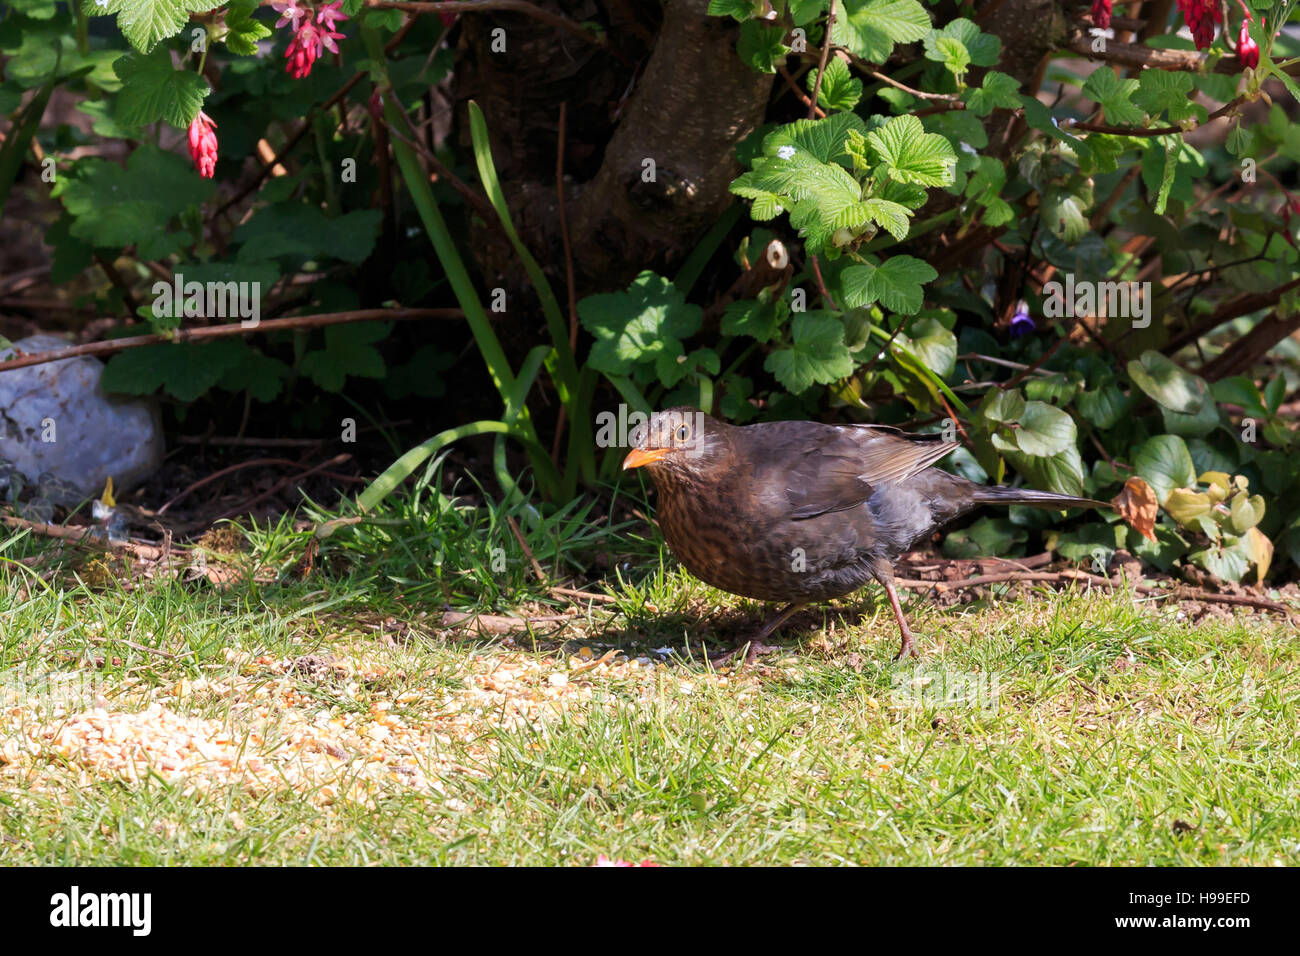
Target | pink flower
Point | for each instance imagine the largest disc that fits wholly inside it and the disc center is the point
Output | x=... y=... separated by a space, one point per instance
x=1101 y=13
x=203 y=145
x=303 y=51
x=290 y=12
x=1247 y=48
x=1201 y=16
x=329 y=13
x=327 y=38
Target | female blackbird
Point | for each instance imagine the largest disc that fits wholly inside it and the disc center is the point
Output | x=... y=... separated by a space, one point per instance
x=801 y=511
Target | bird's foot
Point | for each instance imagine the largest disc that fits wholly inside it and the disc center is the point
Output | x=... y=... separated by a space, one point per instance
x=753 y=650
x=908 y=649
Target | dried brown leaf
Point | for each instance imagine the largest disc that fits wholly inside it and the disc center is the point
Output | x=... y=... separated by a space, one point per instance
x=1137 y=505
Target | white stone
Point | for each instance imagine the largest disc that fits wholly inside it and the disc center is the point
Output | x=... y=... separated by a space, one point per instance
x=96 y=436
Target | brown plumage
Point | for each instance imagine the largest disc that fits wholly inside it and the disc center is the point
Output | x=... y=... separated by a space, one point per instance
x=801 y=511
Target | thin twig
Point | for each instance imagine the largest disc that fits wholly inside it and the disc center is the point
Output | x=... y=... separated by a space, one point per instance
x=233 y=328
x=821 y=64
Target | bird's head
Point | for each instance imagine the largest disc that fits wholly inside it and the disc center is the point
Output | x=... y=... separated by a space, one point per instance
x=678 y=441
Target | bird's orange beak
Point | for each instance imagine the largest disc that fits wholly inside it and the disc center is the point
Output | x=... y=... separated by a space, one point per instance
x=636 y=457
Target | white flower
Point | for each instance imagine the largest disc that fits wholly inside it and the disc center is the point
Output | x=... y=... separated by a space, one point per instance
x=786 y=152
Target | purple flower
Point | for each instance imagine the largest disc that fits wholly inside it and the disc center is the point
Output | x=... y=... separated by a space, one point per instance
x=1021 y=323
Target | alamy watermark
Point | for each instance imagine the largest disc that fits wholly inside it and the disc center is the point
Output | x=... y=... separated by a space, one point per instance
x=1125 y=300
x=928 y=686
x=679 y=430
x=214 y=300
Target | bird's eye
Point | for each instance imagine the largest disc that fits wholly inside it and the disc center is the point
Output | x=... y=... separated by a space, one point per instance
x=683 y=432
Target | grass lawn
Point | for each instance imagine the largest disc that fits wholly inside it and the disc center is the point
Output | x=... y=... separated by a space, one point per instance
x=255 y=712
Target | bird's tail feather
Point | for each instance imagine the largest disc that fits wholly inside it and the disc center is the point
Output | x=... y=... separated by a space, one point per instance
x=1000 y=494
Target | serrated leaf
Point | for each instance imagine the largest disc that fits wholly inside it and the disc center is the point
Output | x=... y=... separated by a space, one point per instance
x=817 y=355
x=637 y=326
x=146 y=22
x=996 y=90
x=750 y=317
x=911 y=155
x=153 y=90
x=981 y=49
x=1160 y=90
x=870 y=28
x=760 y=45
x=184 y=370
x=112 y=206
x=839 y=89
x=890 y=216
x=300 y=230
x=895 y=284
x=243 y=31
x=1115 y=96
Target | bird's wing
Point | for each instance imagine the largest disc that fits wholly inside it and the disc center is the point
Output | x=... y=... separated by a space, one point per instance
x=838 y=467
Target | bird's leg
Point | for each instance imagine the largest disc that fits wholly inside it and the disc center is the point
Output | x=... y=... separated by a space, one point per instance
x=908 y=647
x=755 y=644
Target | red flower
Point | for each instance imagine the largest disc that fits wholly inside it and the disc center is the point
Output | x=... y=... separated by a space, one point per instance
x=203 y=145
x=1101 y=13
x=1201 y=16
x=303 y=51
x=1247 y=48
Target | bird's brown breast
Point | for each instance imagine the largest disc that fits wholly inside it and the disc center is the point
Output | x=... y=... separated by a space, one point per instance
x=723 y=535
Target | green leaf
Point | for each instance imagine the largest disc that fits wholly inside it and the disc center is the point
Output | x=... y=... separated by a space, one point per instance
x=146 y=22
x=1197 y=425
x=839 y=90
x=1246 y=512
x=895 y=284
x=996 y=90
x=983 y=48
x=891 y=216
x=348 y=351
x=1062 y=472
x=259 y=374
x=823 y=139
x=750 y=317
x=760 y=45
x=1173 y=388
x=1168 y=547
x=1104 y=406
x=243 y=31
x=1041 y=431
x=153 y=90
x=638 y=326
x=1225 y=563
x=1065 y=213
x=303 y=231
x=912 y=155
x=1160 y=90
x=1115 y=96
x=932 y=343
x=870 y=28
x=112 y=206
x=950 y=52
x=741 y=10
x=184 y=370
x=987 y=537
x=818 y=354
x=1164 y=462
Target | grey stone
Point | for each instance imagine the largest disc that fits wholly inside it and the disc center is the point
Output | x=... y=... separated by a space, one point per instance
x=95 y=436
